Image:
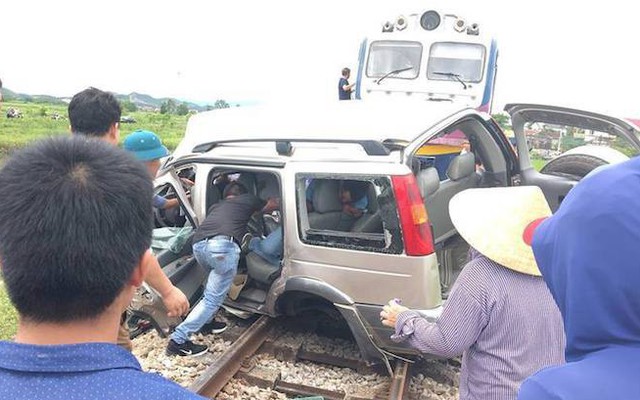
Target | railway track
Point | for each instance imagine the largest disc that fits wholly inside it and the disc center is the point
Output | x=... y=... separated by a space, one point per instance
x=241 y=362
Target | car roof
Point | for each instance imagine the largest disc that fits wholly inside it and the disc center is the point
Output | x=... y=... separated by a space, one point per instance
x=338 y=120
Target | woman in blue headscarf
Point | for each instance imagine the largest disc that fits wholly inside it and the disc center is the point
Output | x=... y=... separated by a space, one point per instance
x=589 y=256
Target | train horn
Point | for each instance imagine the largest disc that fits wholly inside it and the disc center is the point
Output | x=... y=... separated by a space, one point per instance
x=387 y=27
x=473 y=29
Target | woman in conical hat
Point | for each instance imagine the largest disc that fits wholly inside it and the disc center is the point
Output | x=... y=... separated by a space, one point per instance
x=500 y=315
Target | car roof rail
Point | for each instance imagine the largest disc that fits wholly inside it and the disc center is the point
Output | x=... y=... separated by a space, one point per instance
x=285 y=148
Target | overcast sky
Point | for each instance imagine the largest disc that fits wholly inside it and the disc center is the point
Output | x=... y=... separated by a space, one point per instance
x=572 y=53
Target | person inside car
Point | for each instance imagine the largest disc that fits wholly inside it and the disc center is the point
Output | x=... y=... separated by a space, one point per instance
x=94 y=113
x=216 y=247
x=500 y=315
x=270 y=247
x=353 y=195
x=588 y=254
x=71 y=262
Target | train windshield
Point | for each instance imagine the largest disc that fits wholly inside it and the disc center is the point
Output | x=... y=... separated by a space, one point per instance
x=447 y=59
x=390 y=55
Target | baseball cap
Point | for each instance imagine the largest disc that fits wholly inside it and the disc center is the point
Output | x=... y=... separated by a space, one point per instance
x=145 y=145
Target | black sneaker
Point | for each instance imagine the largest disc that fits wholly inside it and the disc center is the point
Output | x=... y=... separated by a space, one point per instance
x=186 y=349
x=213 y=327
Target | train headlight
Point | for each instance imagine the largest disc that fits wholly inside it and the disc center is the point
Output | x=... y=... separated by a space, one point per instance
x=430 y=20
x=401 y=23
x=460 y=25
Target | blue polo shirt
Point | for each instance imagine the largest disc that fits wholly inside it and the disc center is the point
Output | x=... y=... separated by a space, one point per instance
x=79 y=372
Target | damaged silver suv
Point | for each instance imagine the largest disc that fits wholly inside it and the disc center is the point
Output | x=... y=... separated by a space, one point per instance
x=409 y=159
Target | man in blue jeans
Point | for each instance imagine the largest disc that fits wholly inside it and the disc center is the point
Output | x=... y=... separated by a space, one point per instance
x=216 y=248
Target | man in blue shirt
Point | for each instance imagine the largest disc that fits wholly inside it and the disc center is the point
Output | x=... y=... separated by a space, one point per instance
x=75 y=229
x=344 y=87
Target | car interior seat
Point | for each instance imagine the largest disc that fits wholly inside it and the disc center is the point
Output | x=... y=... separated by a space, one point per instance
x=261 y=270
x=248 y=180
x=428 y=182
x=267 y=186
x=462 y=175
x=371 y=221
x=327 y=208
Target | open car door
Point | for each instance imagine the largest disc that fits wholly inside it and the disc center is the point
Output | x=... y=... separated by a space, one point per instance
x=559 y=146
x=171 y=245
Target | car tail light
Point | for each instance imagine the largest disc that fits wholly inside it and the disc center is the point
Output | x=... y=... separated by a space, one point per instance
x=414 y=220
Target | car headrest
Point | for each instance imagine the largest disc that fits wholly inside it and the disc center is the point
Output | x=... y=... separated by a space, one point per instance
x=325 y=195
x=248 y=180
x=372 y=198
x=268 y=187
x=461 y=166
x=428 y=181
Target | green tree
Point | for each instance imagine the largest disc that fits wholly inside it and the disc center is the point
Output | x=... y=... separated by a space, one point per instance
x=42 y=112
x=168 y=107
x=221 y=104
x=569 y=142
x=182 y=109
x=502 y=120
x=129 y=106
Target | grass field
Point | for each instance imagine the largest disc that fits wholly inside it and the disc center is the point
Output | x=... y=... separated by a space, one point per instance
x=37 y=123
x=8 y=316
x=538 y=163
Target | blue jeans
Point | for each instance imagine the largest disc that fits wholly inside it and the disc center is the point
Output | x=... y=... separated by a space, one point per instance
x=221 y=257
x=269 y=248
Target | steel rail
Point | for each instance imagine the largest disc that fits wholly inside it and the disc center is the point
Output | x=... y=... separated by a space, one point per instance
x=219 y=373
x=399 y=381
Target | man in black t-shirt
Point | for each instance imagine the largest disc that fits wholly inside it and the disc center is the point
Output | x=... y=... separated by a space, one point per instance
x=344 y=88
x=216 y=248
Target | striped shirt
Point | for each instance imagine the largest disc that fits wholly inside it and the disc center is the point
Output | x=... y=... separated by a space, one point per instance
x=504 y=323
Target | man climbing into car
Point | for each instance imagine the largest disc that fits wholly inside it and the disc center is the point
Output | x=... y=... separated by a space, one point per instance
x=216 y=247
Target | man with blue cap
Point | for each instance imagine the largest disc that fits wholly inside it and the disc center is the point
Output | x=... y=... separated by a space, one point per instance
x=147 y=147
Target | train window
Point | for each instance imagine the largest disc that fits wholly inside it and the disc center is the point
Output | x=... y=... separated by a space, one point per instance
x=448 y=60
x=388 y=56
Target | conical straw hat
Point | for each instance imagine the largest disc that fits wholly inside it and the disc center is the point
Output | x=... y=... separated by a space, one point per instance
x=493 y=221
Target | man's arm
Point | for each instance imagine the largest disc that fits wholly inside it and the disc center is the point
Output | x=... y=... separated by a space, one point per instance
x=170 y=203
x=272 y=204
x=349 y=87
x=174 y=300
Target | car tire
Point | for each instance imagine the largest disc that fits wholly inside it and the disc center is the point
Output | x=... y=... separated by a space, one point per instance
x=575 y=166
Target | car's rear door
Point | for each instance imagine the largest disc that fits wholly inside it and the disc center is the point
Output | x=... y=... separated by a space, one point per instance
x=557 y=146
